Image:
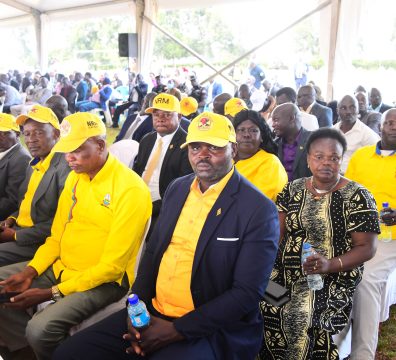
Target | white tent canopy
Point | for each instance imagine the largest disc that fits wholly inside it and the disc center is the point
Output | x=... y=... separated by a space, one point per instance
x=339 y=23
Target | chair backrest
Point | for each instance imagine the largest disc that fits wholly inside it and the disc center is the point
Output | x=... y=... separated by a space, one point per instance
x=125 y=151
x=120 y=304
x=111 y=308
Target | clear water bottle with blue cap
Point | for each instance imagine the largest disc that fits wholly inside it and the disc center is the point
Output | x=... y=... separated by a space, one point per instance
x=315 y=281
x=386 y=231
x=137 y=312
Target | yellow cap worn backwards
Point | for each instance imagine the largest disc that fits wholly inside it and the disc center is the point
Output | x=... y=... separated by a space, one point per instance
x=188 y=105
x=76 y=129
x=212 y=129
x=165 y=102
x=7 y=123
x=234 y=106
x=40 y=114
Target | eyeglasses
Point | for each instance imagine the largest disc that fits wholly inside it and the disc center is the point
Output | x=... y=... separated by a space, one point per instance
x=163 y=114
x=251 y=131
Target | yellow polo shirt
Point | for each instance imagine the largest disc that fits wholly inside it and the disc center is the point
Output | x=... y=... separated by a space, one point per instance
x=173 y=293
x=39 y=169
x=97 y=229
x=265 y=171
x=376 y=173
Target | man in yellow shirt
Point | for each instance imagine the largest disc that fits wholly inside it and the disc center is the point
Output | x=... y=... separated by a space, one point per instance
x=205 y=268
x=88 y=260
x=27 y=228
x=374 y=167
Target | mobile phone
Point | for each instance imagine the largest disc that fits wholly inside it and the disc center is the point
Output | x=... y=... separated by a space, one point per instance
x=5 y=297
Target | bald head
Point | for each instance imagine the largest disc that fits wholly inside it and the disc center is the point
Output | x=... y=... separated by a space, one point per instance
x=348 y=109
x=58 y=105
x=219 y=102
x=286 y=120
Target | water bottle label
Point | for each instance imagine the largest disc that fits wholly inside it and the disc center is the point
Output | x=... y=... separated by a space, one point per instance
x=141 y=320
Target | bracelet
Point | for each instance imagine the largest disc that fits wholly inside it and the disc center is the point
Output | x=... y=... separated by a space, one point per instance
x=56 y=294
x=339 y=259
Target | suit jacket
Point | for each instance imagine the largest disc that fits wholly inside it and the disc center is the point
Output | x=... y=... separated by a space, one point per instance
x=175 y=164
x=12 y=172
x=144 y=128
x=228 y=277
x=384 y=107
x=324 y=115
x=300 y=164
x=45 y=201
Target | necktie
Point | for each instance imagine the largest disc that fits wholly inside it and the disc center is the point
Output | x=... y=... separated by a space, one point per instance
x=153 y=163
x=132 y=128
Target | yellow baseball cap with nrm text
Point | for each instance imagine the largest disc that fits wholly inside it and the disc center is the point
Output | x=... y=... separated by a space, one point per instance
x=7 y=123
x=210 y=128
x=40 y=114
x=188 y=105
x=165 y=102
x=234 y=106
x=78 y=128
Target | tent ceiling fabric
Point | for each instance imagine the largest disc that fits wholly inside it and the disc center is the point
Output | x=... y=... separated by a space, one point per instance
x=13 y=8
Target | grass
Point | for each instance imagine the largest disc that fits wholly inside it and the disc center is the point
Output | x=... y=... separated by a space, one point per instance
x=386 y=349
x=111 y=134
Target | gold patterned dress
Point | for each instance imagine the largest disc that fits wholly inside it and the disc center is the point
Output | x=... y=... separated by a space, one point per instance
x=303 y=328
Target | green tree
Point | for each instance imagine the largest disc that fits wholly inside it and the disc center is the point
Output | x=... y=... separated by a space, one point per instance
x=95 y=41
x=200 y=29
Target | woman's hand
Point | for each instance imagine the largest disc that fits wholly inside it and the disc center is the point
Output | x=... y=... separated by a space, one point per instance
x=316 y=264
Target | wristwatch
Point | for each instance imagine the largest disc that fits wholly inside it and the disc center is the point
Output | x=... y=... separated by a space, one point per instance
x=56 y=294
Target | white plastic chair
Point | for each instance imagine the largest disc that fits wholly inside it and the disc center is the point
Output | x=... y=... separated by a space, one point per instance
x=107 y=114
x=125 y=151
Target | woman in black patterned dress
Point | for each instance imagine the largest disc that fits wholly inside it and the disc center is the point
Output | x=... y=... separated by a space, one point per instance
x=339 y=219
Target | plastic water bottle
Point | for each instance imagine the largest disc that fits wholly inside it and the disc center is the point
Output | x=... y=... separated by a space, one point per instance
x=137 y=312
x=315 y=281
x=386 y=231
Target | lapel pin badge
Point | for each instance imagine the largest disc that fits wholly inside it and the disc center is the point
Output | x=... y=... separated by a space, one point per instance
x=171 y=146
x=218 y=212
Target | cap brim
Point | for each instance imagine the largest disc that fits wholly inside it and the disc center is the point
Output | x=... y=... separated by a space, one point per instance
x=21 y=119
x=208 y=140
x=65 y=146
x=8 y=129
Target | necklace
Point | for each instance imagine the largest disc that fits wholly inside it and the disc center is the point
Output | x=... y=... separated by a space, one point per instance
x=320 y=192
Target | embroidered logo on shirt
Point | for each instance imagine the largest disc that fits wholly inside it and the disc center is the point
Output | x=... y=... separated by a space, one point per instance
x=218 y=212
x=204 y=124
x=106 y=200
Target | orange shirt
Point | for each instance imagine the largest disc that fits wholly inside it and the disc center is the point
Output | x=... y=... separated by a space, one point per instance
x=173 y=293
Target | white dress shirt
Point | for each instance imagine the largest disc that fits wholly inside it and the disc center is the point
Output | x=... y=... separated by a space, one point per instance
x=360 y=135
x=154 y=181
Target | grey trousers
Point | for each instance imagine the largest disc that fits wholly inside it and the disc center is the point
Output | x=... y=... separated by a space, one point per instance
x=46 y=329
x=11 y=253
x=367 y=301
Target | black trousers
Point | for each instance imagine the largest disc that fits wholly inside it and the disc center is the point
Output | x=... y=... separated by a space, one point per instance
x=103 y=341
x=121 y=108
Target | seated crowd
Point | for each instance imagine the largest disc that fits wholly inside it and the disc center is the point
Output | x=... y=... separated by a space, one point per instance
x=221 y=196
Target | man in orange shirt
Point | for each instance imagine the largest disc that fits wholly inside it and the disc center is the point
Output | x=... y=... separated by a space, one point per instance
x=205 y=268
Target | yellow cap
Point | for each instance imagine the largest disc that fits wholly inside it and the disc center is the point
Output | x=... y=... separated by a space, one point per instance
x=234 y=106
x=78 y=128
x=188 y=105
x=41 y=114
x=7 y=123
x=212 y=129
x=165 y=102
